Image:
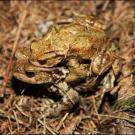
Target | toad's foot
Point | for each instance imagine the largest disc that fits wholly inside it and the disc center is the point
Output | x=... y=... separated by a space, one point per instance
x=68 y=101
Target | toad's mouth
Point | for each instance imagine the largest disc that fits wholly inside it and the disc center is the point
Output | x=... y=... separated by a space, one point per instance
x=38 y=75
x=35 y=75
x=33 y=78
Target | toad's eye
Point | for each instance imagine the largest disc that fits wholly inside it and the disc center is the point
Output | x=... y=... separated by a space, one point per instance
x=42 y=62
x=30 y=74
x=85 y=61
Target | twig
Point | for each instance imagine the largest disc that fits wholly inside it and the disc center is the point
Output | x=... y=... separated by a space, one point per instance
x=15 y=116
x=116 y=117
x=20 y=110
x=94 y=106
x=70 y=128
x=92 y=131
x=4 y=115
x=61 y=122
x=9 y=127
x=9 y=67
x=47 y=127
x=7 y=104
x=44 y=129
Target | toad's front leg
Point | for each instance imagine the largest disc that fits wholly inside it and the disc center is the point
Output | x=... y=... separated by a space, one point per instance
x=69 y=98
x=102 y=66
x=77 y=71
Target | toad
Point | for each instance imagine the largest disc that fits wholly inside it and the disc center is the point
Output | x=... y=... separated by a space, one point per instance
x=71 y=57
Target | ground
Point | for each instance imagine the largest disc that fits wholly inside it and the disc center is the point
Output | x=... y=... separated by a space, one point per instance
x=23 y=112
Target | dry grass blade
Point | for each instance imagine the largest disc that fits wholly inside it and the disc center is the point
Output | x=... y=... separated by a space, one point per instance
x=47 y=127
x=116 y=117
x=9 y=67
x=71 y=126
x=61 y=122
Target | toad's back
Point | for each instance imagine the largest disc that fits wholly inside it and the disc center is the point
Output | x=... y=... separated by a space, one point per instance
x=84 y=38
x=78 y=40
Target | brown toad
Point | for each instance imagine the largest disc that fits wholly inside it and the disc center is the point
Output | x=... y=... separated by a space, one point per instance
x=70 y=57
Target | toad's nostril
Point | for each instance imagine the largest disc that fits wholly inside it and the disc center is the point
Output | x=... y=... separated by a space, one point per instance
x=30 y=74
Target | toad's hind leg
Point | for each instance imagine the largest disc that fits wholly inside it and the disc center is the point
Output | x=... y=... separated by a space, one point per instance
x=69 y=98
x=109 y=80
